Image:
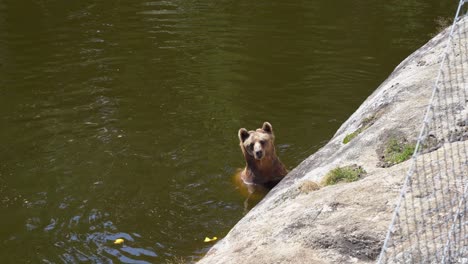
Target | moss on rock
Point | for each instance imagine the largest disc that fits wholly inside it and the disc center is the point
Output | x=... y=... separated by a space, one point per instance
x=366 y=123
x=397 y=152
x=395 y=149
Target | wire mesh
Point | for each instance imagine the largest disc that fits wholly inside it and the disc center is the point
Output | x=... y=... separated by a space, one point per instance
x=429 y=224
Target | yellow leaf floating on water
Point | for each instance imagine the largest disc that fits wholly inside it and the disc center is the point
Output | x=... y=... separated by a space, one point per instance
x=207 y=239
x=118 y=241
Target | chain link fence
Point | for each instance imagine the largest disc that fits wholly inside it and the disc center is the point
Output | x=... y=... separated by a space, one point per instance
x=429 y=224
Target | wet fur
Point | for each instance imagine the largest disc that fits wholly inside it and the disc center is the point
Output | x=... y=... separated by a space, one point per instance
x=267 y=171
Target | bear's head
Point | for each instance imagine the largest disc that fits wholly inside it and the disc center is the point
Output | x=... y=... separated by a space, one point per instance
x=258 y=143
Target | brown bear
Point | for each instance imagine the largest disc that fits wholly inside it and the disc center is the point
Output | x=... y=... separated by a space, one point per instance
x=263 y=168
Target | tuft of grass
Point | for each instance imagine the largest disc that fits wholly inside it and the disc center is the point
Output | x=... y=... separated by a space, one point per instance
x=366 y=123
x=344 y=174
x=397 y=152
x=309 y=186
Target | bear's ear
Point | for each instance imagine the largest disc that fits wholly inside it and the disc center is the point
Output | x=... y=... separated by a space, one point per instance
x=267 y=128
x=243 y=134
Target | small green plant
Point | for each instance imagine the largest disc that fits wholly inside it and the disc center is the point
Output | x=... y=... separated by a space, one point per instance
x=397 y=152
x=350 y=137
x=344 y=174
x=366 y=123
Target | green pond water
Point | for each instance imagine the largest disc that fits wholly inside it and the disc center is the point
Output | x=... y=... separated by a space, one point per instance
x=119 y=119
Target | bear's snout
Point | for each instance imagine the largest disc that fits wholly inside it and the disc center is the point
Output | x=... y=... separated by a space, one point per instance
x=259 y=154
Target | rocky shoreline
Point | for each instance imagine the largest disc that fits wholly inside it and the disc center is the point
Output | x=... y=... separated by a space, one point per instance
x=346 y=222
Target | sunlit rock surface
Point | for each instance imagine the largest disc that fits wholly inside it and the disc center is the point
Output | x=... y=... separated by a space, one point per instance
x=347 y=222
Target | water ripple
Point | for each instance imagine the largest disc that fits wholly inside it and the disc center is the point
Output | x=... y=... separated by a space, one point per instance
x=119 y=120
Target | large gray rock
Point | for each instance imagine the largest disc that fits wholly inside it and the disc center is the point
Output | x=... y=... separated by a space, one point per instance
x=347 y=222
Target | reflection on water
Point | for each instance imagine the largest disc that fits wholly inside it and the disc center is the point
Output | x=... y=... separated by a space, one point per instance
x=251 y=196
x=83 y=243
x=120 y=119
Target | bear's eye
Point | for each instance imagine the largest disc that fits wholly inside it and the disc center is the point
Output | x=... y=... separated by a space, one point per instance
x=262 y=142
x=251 y=145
